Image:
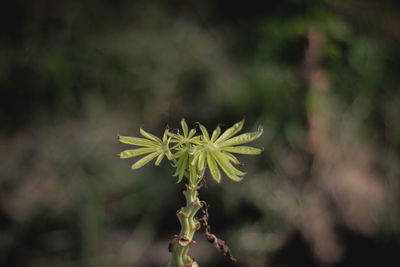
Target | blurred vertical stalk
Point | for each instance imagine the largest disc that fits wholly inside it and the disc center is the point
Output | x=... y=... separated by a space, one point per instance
x=317 y=84
x=90 y=219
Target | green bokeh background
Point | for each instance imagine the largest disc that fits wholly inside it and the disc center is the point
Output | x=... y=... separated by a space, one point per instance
x=321 y=77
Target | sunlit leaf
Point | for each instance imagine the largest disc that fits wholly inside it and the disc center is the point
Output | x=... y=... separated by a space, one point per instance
x=230 y=132
x=150 y=136
x=136 y=152
x=191 y=133
x=196 y=154
x=181 y=167
x=201 y=160
x=159 y=159
x=232 y=158
x=243 y=138
x=193 y=173
x=230 y=171
x=212 y=165
x=215 y=134
x=204 y=132
x=242 y=150
x=184 y=127
x=166 y=149
x=136 y=141
x=143 y=161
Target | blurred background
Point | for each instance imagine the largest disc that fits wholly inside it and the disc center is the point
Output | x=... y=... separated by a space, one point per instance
x=321 y=77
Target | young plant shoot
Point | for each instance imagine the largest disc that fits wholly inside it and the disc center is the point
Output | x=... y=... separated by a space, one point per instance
x=191 y=155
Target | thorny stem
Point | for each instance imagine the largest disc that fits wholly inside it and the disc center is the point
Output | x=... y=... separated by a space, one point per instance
x=189 y=225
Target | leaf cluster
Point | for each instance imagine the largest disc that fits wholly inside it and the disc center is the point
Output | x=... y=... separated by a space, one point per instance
x=192 y=154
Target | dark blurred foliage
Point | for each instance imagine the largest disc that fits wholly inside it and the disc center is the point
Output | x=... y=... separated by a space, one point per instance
x=320 y=76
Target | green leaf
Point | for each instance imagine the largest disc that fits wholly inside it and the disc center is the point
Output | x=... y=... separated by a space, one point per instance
x=204 y=131
x=181 y=167
x=201 y=160
x=212 y=165
x=150 y=136
x=191 y=133
x=136 y=152
x=192 y=173
x=215 y=134
x=196 y=154
x=180 y=153
x=143 y=161
x=166 y=149
x=242 y=150
x=230 y=171
x=165 y=136
x=136 y=141
x=184 y=127
x=159 y=159
x=232 y=158
x=230 y=132
x=243 y=138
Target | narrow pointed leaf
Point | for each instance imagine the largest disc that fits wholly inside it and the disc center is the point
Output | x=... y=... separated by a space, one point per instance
x=178 y=165
x=215 y=134
x=166 y=149
x=165 y=136
x=230 y=171
x=180 y=153
x=222 y=159
x=159 y=159
x=182 y=167
x=136 y=152
x=201 y=161
x=232 y=158
x=242 y=139
x=212 y=165
x=143 y=161
x=191 y=133
x=150 y=136
x=184 y=127
x=204 y=132
x=136 y=141
x=192 y=173
x=230 y=132
x=242 y=150
x=196 y=156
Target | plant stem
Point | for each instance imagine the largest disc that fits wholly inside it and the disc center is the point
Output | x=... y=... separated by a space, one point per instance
x=189 y=225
